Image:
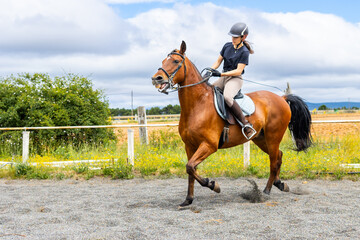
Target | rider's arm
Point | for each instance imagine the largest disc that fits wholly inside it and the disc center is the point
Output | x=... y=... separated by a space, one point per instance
x=217 y=63
x=236 y=72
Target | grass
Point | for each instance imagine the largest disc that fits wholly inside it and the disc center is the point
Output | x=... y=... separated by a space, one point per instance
x=165 y=157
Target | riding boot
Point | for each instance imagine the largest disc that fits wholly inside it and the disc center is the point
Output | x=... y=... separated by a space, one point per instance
x=236 y=110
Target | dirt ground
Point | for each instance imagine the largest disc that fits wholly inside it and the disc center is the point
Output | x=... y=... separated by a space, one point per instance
x=148 y=209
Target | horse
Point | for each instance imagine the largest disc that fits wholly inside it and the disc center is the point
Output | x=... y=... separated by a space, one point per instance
x=200 y=127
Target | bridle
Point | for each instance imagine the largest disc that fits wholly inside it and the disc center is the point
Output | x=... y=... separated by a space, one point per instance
x=172 y=75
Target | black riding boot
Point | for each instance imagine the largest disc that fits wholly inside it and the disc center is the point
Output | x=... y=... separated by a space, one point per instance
x=236 y=110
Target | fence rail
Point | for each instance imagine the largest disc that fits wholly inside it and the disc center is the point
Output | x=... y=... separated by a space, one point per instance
x=94 y=126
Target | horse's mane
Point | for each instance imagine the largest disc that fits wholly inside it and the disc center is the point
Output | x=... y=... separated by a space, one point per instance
x=207 y=82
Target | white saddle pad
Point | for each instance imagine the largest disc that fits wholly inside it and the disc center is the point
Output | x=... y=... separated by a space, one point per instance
x=246 y=104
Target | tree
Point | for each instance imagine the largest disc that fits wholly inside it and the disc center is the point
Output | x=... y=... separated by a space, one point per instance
x=154 y=111
x=120 y=112
x=323 y=107
x=170 y=109
x=38 y=100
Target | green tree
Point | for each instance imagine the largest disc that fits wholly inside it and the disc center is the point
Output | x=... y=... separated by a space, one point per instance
x=32 y=100
x=154 y=111
x=170 y=109
x=120 y=112
x=323 y=107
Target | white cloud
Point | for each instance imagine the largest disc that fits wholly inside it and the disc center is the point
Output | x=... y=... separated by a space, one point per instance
x=315 y=52
x=59 y=27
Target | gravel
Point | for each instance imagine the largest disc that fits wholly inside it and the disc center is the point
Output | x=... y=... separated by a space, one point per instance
x=148 y=209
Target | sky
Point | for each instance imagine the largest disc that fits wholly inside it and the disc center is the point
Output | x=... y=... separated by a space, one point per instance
x=120 y=44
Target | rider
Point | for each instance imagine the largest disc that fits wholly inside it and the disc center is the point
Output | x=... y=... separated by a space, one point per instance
x=235 y=55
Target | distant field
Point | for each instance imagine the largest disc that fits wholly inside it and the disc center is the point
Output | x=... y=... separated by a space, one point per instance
x=336 y=129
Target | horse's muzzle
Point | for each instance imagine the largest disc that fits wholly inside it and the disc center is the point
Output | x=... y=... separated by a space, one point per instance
x=160 y=84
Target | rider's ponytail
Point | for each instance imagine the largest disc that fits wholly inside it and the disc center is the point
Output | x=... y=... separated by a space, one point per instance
x=247 y=44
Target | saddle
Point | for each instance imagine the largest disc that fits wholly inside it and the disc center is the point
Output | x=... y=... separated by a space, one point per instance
x=246 y=104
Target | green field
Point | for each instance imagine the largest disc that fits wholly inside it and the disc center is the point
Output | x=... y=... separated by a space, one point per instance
x=165 y=157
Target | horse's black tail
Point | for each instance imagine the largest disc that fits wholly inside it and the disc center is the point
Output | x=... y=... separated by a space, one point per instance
x=300 y=123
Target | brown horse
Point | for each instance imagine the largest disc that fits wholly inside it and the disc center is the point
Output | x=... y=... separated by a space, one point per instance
x=200 y=126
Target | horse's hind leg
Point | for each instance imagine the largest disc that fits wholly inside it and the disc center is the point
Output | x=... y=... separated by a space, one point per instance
x=275 y=155
x=277 y=183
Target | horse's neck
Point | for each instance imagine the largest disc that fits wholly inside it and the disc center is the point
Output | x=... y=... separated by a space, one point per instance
x=195 y=98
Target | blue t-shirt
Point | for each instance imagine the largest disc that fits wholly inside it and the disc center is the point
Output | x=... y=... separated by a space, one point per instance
x=232 y=57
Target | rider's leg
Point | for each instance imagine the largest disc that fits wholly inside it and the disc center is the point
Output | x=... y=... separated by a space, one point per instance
x=232 y=87
x=220 y=83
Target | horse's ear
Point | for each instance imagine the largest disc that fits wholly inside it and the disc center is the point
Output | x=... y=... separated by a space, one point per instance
x=182 y=48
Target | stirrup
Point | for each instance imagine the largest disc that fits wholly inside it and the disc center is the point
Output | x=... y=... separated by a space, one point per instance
x=248 y=125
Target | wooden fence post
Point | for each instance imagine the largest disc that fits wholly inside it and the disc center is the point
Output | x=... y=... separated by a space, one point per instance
x=246 y=154
x=25 y=146
x=142 y=121
x=131 y=146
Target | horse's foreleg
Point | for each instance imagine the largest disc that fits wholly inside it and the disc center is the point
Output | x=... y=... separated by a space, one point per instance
x=191 y=180
x=190 y=194
x=200 y=154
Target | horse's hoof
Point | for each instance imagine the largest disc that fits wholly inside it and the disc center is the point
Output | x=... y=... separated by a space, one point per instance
x=216 y=187
x=266 y=191
x=187 y=202
x=286 y=188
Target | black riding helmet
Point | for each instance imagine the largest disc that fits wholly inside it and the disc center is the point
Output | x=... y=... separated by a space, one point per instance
x=238 y=30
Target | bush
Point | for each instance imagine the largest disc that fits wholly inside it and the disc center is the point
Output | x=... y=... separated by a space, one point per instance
x=38 y=100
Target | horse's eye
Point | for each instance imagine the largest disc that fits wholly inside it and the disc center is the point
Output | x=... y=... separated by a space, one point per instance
x=176 y=61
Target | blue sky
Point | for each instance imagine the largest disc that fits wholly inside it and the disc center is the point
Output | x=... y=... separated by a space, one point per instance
x=348 y=9
x=120 y=44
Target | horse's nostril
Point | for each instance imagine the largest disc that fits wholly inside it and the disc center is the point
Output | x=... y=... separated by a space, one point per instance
x=159 y=78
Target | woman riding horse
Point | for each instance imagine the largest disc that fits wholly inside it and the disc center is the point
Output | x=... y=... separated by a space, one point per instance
x=200 y=126
x=235 y=55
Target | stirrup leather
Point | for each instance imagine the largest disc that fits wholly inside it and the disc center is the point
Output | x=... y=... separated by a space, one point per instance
x=248 y=125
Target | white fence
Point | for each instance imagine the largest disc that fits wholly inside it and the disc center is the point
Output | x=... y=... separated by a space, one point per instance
x=131 y=150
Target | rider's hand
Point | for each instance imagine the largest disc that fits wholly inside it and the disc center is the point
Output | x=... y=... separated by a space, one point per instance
x=215 y=73
x=208 y=74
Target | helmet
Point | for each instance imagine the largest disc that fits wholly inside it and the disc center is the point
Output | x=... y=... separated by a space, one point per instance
x=238 y=30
